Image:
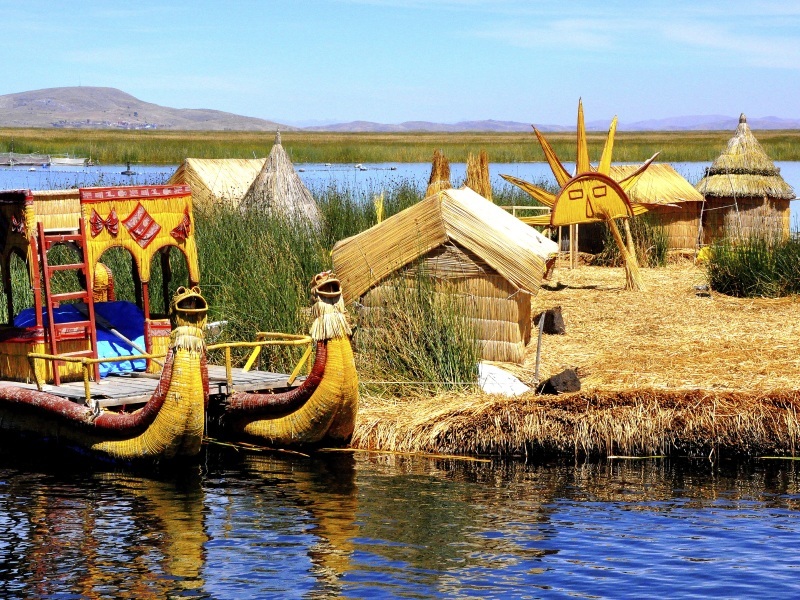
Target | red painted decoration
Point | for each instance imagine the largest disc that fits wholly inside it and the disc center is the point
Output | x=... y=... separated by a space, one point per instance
x=142 y=227
x=97 y=223
x=181 y=232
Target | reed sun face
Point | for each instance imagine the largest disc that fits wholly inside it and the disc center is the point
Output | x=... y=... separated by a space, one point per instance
x=590 y=197
x=590 y=194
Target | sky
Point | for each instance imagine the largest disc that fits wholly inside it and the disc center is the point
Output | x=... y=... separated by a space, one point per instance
x=299 y=62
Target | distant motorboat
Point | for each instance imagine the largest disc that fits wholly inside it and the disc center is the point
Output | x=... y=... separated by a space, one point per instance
x=128 y=171
x=67 y=161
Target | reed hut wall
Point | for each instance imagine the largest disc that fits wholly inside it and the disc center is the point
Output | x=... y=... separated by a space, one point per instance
x=745 y=217
x=497 y=311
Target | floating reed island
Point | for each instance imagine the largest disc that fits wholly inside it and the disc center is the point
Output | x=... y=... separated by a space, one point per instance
x=674 y=370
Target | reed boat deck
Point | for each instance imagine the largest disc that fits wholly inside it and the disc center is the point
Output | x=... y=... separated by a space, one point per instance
x=137 y=388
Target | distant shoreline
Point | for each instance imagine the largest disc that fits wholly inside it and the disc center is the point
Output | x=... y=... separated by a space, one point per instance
x=107 y=146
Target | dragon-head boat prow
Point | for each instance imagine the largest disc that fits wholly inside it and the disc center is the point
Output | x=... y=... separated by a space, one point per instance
x=323 y=408
x=328 y=310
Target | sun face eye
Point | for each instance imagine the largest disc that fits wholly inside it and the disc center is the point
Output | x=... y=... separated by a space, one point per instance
x=599 y=191
x=576 y=194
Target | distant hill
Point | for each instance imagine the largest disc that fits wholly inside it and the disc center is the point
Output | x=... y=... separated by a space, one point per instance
x=102 y=107
x=689 y=123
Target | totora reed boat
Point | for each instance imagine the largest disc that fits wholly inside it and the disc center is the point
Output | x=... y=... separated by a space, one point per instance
x=127 y=379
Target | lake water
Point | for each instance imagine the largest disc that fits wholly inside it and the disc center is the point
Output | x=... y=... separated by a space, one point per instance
x=387 y=526
x=373 y=179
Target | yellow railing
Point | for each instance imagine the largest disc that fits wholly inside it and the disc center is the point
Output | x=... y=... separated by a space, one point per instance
x=86 y=365
x=264 y=338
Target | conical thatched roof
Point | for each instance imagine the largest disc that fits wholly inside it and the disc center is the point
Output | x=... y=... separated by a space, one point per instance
x=279 y=189
x=744 y=170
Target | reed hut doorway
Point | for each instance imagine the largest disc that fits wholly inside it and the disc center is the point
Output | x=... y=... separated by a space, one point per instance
x=169 y=270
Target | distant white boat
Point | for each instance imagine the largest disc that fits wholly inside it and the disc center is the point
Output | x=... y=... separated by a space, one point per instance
x=67 y=161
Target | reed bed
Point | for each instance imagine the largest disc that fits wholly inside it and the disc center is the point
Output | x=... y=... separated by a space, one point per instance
x=643 y=422
x=172 y=147
x=666 y=370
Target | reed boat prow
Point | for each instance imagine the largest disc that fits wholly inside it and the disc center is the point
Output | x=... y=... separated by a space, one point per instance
x=322 y=410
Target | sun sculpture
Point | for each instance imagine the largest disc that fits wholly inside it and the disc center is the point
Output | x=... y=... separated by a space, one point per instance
x=590 y=195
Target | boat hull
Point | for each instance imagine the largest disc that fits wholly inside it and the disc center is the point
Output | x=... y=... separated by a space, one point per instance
x=169 y=427
x=321 y=411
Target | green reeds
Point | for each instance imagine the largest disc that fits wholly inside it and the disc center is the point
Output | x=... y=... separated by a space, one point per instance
x=650 y=240
x=758 y=266
x=418 y=339
x=172 y=147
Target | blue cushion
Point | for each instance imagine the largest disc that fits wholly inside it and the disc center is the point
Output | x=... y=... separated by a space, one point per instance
x=123 y=316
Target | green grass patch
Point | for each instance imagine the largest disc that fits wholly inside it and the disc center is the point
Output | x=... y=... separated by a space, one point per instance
x=759 y=266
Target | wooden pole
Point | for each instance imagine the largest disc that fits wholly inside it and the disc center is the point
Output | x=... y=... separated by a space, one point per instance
x=573 y=260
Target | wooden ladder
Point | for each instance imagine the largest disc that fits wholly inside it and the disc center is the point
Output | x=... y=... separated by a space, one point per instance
x=52 y=301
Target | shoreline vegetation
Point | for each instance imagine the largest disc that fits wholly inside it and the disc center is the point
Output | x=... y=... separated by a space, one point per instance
x=172 y=147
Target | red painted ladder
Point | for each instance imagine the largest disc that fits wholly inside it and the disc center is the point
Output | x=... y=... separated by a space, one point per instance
x=56 y=331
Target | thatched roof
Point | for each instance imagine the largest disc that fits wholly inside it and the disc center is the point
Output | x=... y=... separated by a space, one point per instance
x=660 y=184
x=744 y=170
x=215 y=181
x=278 y=188
x=515 y=250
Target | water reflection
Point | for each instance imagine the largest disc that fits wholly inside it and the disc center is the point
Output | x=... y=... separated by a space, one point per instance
x=73 y=533
x=343 y=525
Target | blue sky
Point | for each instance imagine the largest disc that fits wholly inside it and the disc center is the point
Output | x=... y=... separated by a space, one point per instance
x=397 y=60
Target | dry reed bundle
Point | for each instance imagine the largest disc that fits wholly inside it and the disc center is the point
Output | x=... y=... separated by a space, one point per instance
x=440 y=174
x=672 y=371
x=478 y=174
x=278 y=189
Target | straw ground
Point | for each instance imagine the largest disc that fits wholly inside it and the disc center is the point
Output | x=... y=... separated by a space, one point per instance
x=667 y=370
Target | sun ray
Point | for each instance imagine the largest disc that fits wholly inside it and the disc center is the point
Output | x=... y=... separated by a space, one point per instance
x=582 y=160
x=605 y=160
x=536 y=193
x=561 y=174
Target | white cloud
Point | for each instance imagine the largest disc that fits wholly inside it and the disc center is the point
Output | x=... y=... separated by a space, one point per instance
x=731 y=47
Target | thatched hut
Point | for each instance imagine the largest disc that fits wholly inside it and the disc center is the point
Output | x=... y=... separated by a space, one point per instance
x=672 y=202
x=217 y=181
x=744 y=191
x=278 y=189
x=486 y=258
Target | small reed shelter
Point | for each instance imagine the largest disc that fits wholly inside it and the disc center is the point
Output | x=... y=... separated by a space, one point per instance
x=744 y=192
x=278 y=189
x=488 y=259
x=217 y=181
x=671 y=201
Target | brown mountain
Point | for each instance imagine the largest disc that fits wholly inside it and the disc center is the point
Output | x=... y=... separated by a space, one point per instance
x=98 y=107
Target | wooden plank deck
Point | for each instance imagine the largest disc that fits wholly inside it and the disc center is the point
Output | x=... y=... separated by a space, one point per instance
x=137 y=388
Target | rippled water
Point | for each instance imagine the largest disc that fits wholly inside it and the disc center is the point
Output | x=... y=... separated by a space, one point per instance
x=378 y=525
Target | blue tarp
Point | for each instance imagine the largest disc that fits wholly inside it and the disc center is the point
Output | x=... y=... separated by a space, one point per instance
x=125 y=317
